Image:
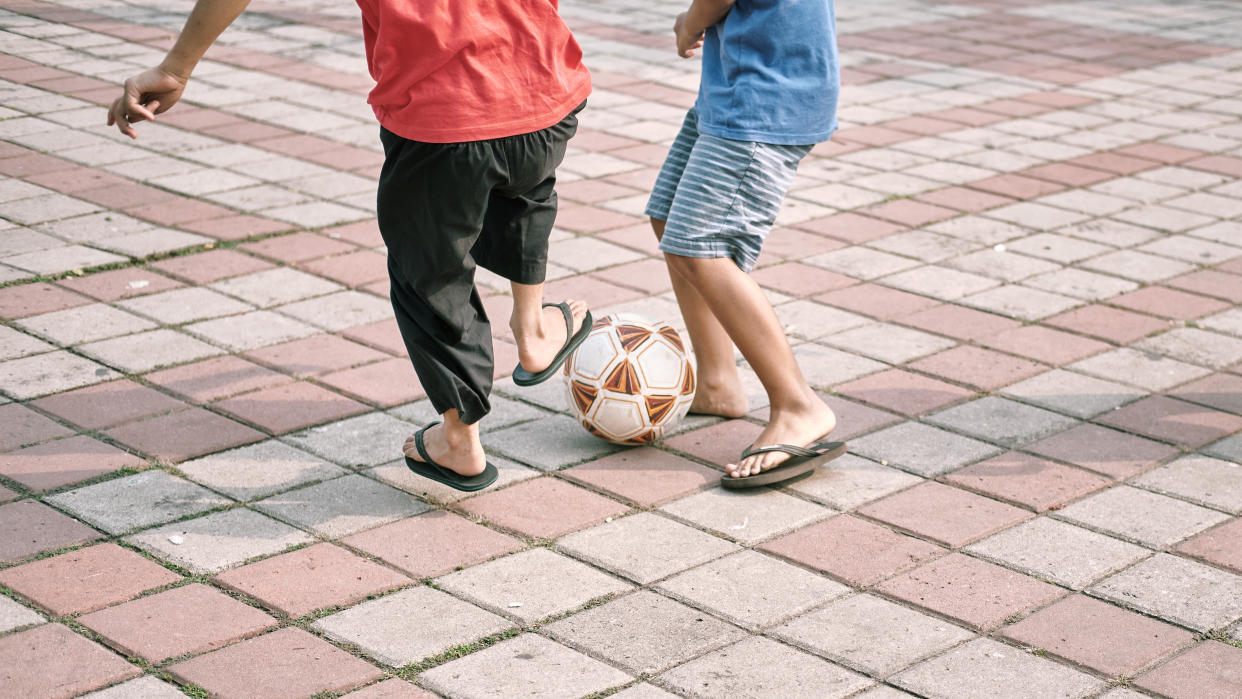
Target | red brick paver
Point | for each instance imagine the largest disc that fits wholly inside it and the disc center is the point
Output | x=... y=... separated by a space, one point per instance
x=216 y=378
x=24 y=426
x=852 y=550
x=86 y=579
x=53 y=662
x=1220 y=545
x=432 y=544
x=644 y=476
x=31 y=527
x=1027 y=480
x=108 y=404
x=299 y=582
x=946 y=515
x=521 y=508
x=184 y=435
x=978 y=594
x=65 y=461
x=1172 y=420
x=290 y=406
x=188 y=619
x=288 y=662
x=1098 y=635
x=1210 y=669
x=903 y=391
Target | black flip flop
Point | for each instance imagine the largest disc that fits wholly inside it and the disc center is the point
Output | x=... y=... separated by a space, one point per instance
x=523 y=377
x=430 y=469
x=801 y=462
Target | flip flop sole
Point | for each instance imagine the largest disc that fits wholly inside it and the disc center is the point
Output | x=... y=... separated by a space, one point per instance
x=789 y=469
x=453 y=480
x=522 y=377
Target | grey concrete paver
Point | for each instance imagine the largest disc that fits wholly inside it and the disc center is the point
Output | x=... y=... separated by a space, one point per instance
x=1001 y=420
x=51 y=372
x=750 y=589
x=643 y=691
x=1211 y=482
x=531 y=585
x=1141 y=516
x=258 y=470
x=1058 y=552
x=342 y=506
x=138 y=501
x=644 y=547
x=923 y=449
x=872 y=634
x=217 y=541
x=407 y=626
x=745 y=517
x=398 y=475
x=1069 y=392
x=1144 y=370
x=526 y=666
x=760 y=667
x=15 y=616
x=528 y=442
x=644 y=632
x=986 y=668
x=849 y=481
x=1178 y=590
x=365 y=440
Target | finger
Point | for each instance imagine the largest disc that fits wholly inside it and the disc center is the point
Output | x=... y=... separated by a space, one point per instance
x=117 y=116
x=134 y=110
x=115 y=111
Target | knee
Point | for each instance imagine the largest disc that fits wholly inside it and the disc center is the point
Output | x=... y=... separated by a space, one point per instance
x=658 y=226
x=689 y=268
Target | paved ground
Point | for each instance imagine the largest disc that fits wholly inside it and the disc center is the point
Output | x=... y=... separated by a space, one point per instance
x=1014 y=273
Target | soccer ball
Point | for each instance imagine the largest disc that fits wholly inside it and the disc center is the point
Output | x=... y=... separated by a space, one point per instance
x=630 y=380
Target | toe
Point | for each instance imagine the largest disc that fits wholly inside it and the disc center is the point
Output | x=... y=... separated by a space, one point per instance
x=578 y=309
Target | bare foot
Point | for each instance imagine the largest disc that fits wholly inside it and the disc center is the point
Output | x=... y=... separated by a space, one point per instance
x=464 y=456
x=800 y=427
x=726 y=399
x=537 y=346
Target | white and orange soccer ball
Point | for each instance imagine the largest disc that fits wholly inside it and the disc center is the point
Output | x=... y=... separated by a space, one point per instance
x=631 y=380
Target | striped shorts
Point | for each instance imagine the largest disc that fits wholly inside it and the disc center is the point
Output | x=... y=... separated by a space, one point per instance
x=720 y=197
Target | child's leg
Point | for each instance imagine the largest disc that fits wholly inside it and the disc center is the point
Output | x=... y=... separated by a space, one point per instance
x=798 y=415
x=540 y=332
x=719 y=390
x=715 y=200
x=514 y=241
x=431 y=205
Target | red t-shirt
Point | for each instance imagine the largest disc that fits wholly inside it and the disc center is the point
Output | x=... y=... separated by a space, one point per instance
x=470 y=70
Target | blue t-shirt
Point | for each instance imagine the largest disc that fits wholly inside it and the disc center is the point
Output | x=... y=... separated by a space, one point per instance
x=770 y=73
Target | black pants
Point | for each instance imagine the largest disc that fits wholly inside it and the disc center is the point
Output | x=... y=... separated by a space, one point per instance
x=444 y=208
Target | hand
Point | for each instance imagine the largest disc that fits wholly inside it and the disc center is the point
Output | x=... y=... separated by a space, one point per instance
x=146 y=94
x=687 y=39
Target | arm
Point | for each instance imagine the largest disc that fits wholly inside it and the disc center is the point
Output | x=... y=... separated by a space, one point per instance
x=692 y=23
x=154 y=91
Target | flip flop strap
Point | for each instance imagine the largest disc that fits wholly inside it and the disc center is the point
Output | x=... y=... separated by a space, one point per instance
x=569 y=317
x=418 y=444
x=791 y=449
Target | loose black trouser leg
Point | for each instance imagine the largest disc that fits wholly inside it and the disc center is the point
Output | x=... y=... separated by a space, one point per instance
x=443 y=208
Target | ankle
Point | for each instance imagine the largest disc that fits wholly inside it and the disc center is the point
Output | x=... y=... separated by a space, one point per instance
x=798 y=406
x=719 y=381
x=457 y=434
x=524 y=329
